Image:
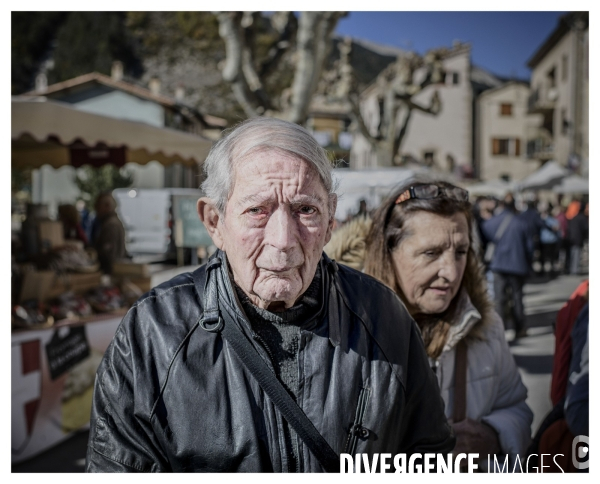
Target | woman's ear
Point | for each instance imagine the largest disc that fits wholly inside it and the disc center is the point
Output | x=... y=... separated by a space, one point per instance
x=209 y=215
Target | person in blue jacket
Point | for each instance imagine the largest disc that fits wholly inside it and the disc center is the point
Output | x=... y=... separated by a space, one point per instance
x=511 y=261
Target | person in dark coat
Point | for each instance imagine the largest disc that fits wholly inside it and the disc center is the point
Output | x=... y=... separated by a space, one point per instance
x=109 y=238
x=176 y=392
x=535 y=225
x=577 y=232
x=511 y=262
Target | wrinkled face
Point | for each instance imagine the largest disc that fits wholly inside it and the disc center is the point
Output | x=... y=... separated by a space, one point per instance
x=430 y=261
x=276 y=223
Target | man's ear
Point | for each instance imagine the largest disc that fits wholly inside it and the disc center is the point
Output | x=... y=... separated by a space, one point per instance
x=209 y=215
x=332 y=208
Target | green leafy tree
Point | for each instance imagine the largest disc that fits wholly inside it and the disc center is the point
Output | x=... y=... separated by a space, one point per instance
x=31 y=39
x=93 y=181
x=91 y=41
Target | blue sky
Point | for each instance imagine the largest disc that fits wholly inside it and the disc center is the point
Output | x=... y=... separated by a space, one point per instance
x=502 y=42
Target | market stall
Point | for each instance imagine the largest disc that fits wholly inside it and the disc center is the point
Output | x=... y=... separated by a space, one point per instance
x=65 y=311
x=52 y=133
x=52 y=378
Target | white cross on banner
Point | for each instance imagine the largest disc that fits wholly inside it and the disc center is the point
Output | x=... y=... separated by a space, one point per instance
x=26 y=383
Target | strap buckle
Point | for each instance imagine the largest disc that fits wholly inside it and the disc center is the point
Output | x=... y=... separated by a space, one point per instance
x=209 y=325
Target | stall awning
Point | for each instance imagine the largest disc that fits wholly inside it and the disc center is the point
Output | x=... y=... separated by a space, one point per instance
x=573 y=184
x=497 y=188
x=549 y=175
x=49 y=132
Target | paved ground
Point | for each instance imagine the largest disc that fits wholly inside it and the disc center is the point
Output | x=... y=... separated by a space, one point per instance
x=533 y=354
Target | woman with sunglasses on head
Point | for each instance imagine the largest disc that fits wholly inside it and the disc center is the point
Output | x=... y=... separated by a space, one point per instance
x=421 y=244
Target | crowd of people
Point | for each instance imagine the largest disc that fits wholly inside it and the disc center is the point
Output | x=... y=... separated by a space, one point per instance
x=513 y=243
x=102 y=230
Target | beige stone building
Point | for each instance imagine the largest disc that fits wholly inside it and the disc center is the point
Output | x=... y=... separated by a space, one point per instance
x=504 y=126
x=560 y=94
x=445 y=141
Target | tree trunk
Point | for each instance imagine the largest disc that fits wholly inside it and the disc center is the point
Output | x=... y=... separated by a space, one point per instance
x=384 y=152
x=313 y=46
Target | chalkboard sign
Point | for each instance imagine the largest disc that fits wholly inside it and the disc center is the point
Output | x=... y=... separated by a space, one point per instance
x=189 y=230
x=65 y=351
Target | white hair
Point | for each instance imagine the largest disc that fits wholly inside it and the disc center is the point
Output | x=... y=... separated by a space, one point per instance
x=261 y=134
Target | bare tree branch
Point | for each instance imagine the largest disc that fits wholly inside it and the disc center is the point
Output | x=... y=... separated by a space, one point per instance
x=313 y=44
x=359 y=121
x=231 y=32
x=287 y=25
x=252 y=78
x=395 y=90
x=400 y=137
x=240 y=69
x=433 y=108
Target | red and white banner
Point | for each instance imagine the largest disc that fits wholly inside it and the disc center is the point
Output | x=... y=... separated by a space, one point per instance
x=46 y=410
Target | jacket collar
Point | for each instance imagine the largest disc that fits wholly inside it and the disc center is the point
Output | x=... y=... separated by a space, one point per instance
x=467 y=316
x=222 y=288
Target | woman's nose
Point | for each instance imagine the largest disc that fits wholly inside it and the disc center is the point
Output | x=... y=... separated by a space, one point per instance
x=448 y=268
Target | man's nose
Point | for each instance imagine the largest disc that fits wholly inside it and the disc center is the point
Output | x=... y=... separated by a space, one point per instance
x=281 y=231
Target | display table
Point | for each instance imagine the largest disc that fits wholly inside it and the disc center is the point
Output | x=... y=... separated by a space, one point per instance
x=52 y=378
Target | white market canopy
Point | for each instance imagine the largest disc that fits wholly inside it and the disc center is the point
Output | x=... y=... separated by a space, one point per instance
x=546 y=177
x=497 y=188
x=44 y=132
x=371 y=185
x=573 y=184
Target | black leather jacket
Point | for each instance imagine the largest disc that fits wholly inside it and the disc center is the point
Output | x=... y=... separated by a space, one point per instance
x=171 y=396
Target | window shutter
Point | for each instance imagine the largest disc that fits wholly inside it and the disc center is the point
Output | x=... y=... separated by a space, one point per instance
x=495 y=146
x=517 y=147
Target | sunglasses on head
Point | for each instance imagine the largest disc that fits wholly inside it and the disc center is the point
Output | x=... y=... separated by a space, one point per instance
x=429 y=191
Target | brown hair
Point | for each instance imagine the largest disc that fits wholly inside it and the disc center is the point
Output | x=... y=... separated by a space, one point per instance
x=388 y=231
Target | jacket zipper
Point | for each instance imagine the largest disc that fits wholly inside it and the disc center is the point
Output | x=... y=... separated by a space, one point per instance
x=357 y=431
x=265 y=347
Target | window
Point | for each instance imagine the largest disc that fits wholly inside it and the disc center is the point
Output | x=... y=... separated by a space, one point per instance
x=500 y=146
x=564 y=122
x=565 y=67
x=506 y=109
x=452 y=78
x=551 y=78
x=429 y=158
x=506 y=147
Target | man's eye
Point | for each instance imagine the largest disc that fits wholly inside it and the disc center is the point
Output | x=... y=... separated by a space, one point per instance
x=255 y=210
x=307 y=210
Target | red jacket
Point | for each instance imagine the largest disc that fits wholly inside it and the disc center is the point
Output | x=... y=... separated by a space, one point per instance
x=565 y=320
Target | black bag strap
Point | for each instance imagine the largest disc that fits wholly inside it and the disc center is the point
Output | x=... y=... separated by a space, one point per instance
x=223 y=322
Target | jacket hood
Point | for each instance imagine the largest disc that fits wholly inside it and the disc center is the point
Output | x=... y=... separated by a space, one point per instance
x=474 y=309
x=349 y=243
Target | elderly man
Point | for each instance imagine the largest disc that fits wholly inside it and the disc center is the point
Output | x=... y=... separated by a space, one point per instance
x=270 y=357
